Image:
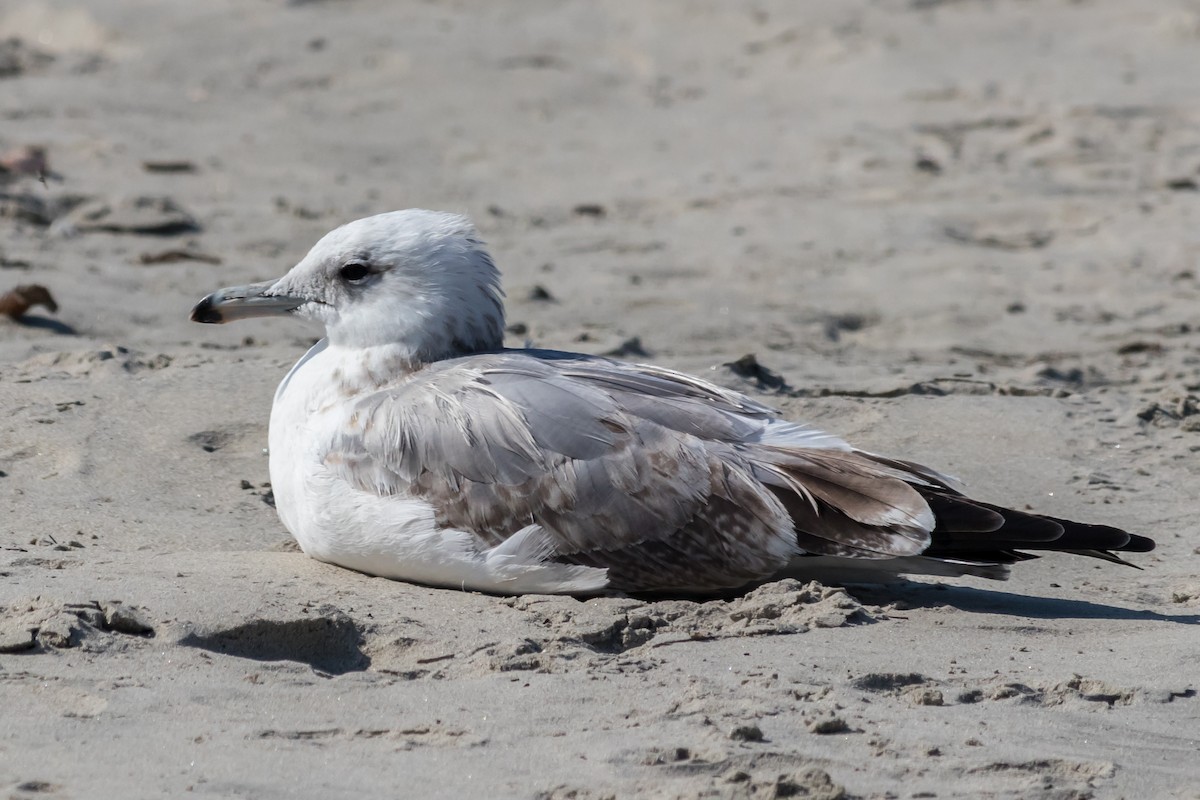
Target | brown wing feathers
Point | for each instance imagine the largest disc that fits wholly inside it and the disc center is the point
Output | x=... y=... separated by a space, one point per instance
x=669 y=484
x=962 y=528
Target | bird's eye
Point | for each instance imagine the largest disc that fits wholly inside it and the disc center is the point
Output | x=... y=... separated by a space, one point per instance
x=354 y=272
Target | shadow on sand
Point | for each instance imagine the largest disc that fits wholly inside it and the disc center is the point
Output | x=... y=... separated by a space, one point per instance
x=990 y=601
x=47 y=324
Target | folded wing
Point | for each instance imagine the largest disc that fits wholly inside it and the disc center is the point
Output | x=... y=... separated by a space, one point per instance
x=668 y=482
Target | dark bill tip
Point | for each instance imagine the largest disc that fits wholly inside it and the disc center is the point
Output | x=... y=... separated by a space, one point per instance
x=242 y=302
x=206 y=311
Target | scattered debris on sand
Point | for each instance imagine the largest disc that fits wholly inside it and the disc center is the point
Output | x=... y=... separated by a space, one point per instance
x=16 y=302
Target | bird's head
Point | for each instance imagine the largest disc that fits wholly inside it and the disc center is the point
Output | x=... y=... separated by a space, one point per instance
x=420 y=280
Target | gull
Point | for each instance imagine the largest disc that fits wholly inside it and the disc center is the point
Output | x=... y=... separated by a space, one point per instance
x=409 y=443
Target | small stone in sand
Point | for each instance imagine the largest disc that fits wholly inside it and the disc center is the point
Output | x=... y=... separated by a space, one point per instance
x=16 y=639
x=747 y=733
x=927 y=697
x=829 y=724
x=125 y=619
x=749 y=367
x=811 y=783
x=57 y=631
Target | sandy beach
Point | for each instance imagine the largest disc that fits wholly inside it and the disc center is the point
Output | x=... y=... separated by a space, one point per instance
x=960 y=232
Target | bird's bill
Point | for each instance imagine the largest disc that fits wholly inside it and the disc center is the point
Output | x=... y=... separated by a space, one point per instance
x=242 y=302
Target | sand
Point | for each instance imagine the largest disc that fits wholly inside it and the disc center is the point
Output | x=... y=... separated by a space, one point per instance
x=961 y=232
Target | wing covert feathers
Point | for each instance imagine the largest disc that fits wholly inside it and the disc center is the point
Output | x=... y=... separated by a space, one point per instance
x=668 y=482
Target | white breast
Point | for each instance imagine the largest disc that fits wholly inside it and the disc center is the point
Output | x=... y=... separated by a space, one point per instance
x=290 y=435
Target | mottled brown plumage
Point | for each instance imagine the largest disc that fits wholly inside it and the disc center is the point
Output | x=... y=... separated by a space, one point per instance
x=696 y=492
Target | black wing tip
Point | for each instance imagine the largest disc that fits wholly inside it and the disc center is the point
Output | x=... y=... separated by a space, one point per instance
x=1138 y=544
x=1090 y=536
x=962 y=532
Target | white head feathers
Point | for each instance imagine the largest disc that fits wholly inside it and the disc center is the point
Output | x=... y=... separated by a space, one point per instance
x=418 y=279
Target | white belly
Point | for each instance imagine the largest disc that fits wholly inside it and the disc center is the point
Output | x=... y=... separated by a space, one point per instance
x=392 y=536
